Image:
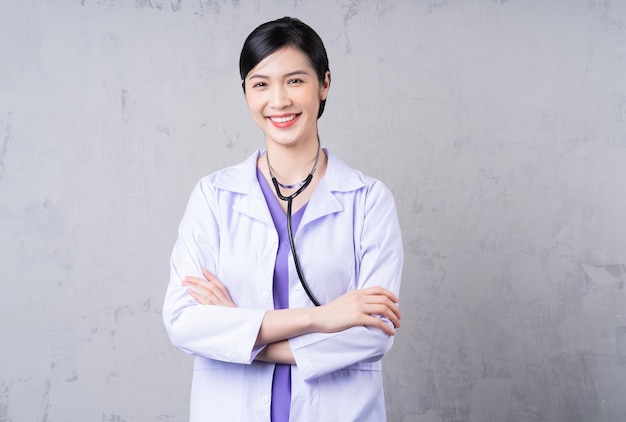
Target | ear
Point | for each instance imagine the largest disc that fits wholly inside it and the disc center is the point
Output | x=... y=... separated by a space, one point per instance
x=325 y=86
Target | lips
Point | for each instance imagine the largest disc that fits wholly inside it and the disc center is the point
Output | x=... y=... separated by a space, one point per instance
x=284 y=120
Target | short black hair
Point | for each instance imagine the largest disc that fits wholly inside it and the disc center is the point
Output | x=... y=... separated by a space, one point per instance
x=280 y=33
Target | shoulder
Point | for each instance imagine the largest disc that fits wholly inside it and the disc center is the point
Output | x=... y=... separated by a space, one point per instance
x=343 y=178
x=239 y=178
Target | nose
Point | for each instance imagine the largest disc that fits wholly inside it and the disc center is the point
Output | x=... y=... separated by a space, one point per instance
x=279 y=97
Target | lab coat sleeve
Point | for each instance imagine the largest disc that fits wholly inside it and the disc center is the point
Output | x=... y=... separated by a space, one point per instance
x=381 y=257
x=215 y=332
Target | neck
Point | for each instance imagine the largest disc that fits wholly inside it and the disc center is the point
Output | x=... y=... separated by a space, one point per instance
x=291 y=165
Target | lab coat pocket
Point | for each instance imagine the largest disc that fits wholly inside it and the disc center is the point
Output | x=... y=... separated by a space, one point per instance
x=352 y=394
x=216 y=391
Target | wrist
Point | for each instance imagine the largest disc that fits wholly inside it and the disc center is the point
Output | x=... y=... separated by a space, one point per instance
x=315 y=316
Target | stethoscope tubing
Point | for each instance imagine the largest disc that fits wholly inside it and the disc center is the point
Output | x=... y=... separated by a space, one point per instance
x=292 y=243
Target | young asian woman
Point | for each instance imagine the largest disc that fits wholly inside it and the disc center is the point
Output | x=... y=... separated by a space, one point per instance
x=263 y=242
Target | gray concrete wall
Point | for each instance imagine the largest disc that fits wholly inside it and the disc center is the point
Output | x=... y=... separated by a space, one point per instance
x=499 y=125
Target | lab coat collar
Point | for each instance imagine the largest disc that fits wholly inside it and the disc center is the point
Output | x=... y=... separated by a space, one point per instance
x=242 y=178
x=338 y=178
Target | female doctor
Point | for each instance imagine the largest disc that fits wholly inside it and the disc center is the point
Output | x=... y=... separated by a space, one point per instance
x=263 y=242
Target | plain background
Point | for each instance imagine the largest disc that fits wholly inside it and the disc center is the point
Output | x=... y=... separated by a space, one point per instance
x=499 y=125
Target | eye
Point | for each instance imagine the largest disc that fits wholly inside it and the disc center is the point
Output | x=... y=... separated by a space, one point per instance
x=259 y=85
x=294 y=81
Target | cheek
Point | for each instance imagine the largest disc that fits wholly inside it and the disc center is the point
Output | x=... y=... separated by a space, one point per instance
x=255 y=108
x=254 y=105
x=310 y=98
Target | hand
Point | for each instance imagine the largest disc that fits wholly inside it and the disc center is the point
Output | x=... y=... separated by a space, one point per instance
x=209 y=290
x=359 y=308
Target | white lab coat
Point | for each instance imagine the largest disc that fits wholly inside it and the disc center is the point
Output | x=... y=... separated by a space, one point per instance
x=349 y=238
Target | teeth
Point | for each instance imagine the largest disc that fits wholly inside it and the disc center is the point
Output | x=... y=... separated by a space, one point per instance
x=283 y=119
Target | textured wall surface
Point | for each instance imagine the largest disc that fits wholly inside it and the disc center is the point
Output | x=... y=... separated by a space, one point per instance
x=499 y=125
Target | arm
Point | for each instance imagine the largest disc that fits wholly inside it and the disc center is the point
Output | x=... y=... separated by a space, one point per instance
x=279 y=352
x=359 y=323
x=354 y=308
x=378 y=247
x=237 y=334
x=216 y=332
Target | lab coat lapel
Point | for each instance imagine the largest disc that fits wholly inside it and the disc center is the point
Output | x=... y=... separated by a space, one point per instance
x=254 y=205
x=321 y=204
x=241 y=179
x=338 y=178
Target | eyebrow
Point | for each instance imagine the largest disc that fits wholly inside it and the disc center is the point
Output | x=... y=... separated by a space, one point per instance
x=287 y=75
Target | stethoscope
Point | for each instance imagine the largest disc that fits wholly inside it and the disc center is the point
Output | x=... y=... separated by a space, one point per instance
x=301 y=187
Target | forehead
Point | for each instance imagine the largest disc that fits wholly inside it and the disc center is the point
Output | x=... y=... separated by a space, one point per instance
x=281 y=62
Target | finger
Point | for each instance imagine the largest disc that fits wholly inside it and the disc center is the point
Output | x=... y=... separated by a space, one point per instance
x=194 y=281
x=380 y=291
x=216 y=281
x=386 y=301
x=209 y=288
x=372 y=306
x=392 y=297
x=207 y=297
x=389 y=314
x=394 y=310
x=220 y=294
x=384 y=307
x=379 y=323
x=202 y=290
x=191 y=285
x=210 y=276
x=200 y=298
x=217 y=296
x=221 y=287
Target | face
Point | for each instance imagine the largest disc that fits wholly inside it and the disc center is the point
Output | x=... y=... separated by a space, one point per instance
x=283 y=95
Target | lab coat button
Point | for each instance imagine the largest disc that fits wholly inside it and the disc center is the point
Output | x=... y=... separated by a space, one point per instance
x=265 y=294
x=266 y=399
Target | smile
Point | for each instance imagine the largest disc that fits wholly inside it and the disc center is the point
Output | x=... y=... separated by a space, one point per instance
x=284 y=121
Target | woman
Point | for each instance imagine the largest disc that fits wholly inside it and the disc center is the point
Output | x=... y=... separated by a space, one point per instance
x=241 y=294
